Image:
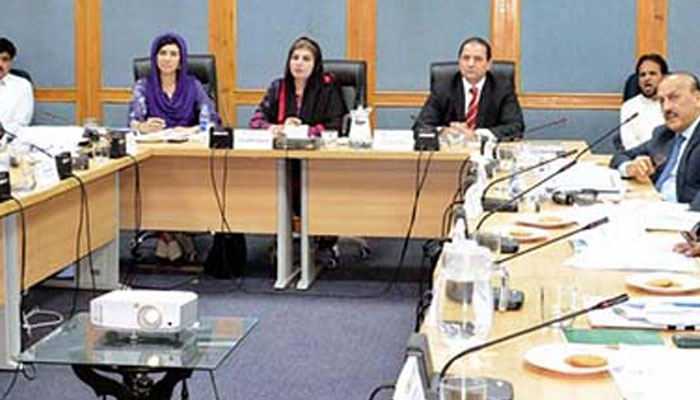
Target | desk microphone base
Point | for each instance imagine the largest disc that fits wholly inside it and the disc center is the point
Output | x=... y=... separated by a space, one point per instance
x=498 y=389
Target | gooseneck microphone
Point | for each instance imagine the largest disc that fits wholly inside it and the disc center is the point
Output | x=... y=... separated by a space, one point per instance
x=586 y=227
x=494 y=182
x=557 y=172
x=612 y=301
x=548 y=124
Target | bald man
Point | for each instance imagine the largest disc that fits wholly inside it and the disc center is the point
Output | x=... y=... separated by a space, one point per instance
x=671 y=158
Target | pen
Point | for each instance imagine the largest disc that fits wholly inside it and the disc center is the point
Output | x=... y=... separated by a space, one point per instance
x=672 y=303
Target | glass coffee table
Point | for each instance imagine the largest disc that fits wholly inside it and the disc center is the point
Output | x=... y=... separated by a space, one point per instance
x=93 y=353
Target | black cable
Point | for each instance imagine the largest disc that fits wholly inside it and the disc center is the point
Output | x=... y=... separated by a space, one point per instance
x=138 y=215
x=213 y=385
x=86 y=205
x=219 y=204
x=84 y=216
x=384 y=386
x=11 y=385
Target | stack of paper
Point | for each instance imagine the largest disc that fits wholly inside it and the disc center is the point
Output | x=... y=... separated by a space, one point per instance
x=653 y=373
x=588 y=176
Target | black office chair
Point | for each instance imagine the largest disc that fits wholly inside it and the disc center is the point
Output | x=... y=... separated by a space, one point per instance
x=631 y=87
x=442 y=70
x=352 y=77
x=22 y=74
x=202 y=66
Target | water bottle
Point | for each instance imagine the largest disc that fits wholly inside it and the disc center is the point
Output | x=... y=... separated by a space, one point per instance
x=204 y=119
x=463 y=300
x=472 y=197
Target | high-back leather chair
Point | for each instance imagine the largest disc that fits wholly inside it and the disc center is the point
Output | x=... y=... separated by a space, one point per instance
x=441 y=70
x=631 y=87
x=202 y=66
x=352 y=77
x=22 y=74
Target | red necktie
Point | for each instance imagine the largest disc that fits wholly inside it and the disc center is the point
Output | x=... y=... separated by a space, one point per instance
x=473 y=109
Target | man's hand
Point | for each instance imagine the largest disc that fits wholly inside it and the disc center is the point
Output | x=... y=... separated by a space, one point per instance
x=689 y=249
x=292 y=121
x=461 y=127
x=641 y=169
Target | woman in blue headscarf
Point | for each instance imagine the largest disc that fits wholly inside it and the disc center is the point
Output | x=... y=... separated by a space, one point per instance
x=168 y=97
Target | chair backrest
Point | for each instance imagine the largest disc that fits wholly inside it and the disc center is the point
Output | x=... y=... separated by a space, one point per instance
x=441 y=70
x=202 y=66
x=22 y=74
x=631 y=87
x=352 y=77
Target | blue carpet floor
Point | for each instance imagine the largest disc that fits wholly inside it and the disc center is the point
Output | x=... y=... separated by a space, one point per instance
x=308 y=346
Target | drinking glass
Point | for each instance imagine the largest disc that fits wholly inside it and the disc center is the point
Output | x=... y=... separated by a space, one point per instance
x=463 y=388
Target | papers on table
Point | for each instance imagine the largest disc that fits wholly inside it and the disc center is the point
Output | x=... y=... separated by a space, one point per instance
x=588 y=176
x=53 y=139
x=675 y=313
x=652 y=373
x=393 y=140
x=624 y=244
x=667 y=216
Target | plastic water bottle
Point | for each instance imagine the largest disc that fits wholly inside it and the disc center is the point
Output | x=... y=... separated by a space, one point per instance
x=463 y=300
x=204 y=119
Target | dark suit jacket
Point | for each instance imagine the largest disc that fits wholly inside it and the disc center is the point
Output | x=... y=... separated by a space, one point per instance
x=499 y=110
x=658 y=149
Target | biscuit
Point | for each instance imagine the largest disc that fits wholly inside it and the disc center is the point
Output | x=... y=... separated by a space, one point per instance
x=549 y=219
x=520 y=234
x=662 y=283
x=586 y=361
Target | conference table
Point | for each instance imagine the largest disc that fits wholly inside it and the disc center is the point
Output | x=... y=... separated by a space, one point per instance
x=344 y=192
x=530 y=273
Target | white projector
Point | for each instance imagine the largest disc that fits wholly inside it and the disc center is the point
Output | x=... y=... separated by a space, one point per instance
x=157 y=311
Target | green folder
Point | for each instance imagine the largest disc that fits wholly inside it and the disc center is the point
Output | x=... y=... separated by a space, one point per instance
x=613 y=336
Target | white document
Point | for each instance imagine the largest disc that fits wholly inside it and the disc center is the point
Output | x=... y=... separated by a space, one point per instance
x=588 y=176
x=296 y=132
x=655 y=373
x=409 y=385
x=393 y=140
x=652 y=312
x=252 y=139
x=624 y=244
x=53 y=139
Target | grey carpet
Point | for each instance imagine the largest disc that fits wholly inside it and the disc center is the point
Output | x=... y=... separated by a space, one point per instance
x=309 y=346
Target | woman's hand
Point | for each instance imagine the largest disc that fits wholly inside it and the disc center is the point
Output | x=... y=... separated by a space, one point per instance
x=292 y=121
x=153 y=124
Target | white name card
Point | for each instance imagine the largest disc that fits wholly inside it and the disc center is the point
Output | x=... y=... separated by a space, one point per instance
x=393 y=140
x=46 y=172
x=252 y=139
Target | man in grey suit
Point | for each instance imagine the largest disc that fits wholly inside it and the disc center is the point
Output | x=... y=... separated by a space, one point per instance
x=473 y=102
x=671 y=158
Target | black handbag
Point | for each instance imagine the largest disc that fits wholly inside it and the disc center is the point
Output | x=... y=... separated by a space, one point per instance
x=227 y=257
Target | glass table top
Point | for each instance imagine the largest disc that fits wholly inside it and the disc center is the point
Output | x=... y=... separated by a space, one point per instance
x=202 y=347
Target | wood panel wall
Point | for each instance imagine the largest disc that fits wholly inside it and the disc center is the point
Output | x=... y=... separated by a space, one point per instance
x=89 y=95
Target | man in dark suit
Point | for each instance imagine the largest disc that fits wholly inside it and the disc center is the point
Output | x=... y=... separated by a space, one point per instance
x=671 y=158
x=472 y=101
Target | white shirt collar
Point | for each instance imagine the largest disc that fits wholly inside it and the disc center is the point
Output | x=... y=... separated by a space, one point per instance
x=479 y=85
x=688 y=132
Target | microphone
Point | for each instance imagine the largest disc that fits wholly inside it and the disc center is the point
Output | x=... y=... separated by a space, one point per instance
x=548 y=124
x=586 y=227
x=610 y=302
x=490 y=204
x=64 y=162
x=557 y=172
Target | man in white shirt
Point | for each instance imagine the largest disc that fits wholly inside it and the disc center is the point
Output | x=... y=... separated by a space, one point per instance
x=651 y=68
x=16 y=96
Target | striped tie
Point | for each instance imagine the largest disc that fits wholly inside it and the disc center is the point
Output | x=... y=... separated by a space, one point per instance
x=473 y=109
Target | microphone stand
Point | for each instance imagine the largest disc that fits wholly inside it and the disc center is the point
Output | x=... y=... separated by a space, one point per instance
x=491 y=204
x=557 y=172
x=612 y=301
x=586 y=227
x=63 y=160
